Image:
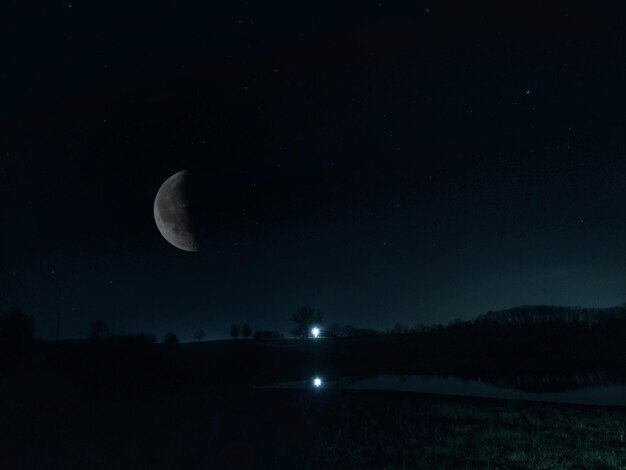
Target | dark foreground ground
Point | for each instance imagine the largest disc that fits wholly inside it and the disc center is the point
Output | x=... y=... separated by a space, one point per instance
x=271 y=428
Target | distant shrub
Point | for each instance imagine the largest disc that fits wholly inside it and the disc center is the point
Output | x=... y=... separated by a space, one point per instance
x=246 y=330
x=171 y=339
x=349 y=331
x=267 y=335
x=99 y=331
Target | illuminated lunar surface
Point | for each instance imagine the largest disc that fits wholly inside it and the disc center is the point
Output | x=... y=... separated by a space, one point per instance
x=171 y=213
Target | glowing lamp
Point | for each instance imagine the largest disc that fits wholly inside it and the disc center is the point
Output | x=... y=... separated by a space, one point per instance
x=317 y=382
x=315 y=331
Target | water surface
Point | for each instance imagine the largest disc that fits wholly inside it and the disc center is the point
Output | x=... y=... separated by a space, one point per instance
x=613 y=395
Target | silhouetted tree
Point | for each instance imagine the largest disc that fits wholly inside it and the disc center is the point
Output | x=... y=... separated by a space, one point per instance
x=334 y=331
x=246 y=330
x=267 y=335
x=305 y=318
x=349 y=331
x=16 y=327
x=171 y=339
x=100 y=331
x=235 y=330
x=400 y=329
x=199 y=334
x=420 y=328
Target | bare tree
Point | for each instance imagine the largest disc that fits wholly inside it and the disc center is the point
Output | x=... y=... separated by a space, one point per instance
x=246 y=330
x=199 y=334
x=235 y=330
x=305 y=318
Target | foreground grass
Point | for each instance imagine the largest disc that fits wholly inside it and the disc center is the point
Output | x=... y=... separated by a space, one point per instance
x=438 y=432
x=158 y=427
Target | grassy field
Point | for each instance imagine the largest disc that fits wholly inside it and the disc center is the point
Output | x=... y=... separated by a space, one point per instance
x=272 y=428
x=400 y=431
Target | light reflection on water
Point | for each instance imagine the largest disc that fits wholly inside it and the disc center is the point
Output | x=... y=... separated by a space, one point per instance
x=612 y=395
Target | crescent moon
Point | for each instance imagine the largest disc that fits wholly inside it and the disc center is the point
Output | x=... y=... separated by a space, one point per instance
x=171 y=213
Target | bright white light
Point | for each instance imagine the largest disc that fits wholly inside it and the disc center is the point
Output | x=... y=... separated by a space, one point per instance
x=315 y=331
x=317 y=382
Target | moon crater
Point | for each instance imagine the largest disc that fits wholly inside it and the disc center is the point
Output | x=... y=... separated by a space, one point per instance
x=172 y=215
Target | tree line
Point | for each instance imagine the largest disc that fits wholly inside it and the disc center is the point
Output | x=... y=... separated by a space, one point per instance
x=16 y=326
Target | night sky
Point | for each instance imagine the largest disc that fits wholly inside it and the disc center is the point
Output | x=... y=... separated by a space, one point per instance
x=380 y=161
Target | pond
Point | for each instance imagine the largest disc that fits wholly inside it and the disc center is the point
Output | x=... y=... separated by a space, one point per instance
x=611 y=395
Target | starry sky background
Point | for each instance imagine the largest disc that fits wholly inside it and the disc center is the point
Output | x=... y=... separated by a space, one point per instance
x=408 y=161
